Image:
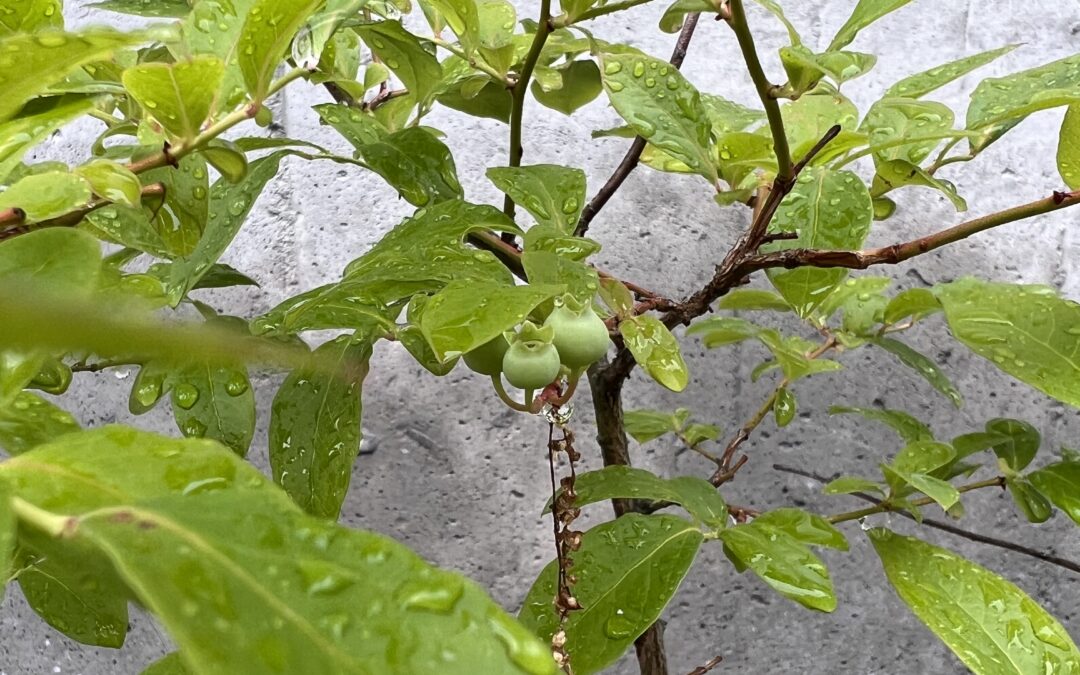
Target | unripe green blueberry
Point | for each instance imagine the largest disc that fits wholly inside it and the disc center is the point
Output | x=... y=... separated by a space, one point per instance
x=531 y=362
x=487 y=359
x=581 y=337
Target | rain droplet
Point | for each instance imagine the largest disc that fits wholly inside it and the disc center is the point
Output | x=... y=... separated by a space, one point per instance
x=186 y=396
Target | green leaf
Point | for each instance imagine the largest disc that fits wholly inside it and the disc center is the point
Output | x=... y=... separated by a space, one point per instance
x=1068 y=152
x=178 y=95
x=778 y=12
x=864 y=14
x=646 y=425
x=401 y=51
x=914 y=303
x=46 y=195
x=778 y=554
x=696 y=495
x=927 y=81
x=305 y=594
x=897 y=173
x=923 y=366
x=465 y=314
x=1000 y=103
x=1060 y=482
x=784 y=407
x=34 y=125
x=674 y=15
x=264 y=39
x=922 y=456
x=808 y=528
x=28 y=16
x=315 y=428
x=181 y=221
x=656 y=350
x=227 y=157
x=1031 y=502
x=992 y=626
x=846 y=485
x=634 y=565
x=1021 y=444
x=214 y=401
x=829 y=210
x=46 y=58
x=29 y=420
x=56 y=261
x=752 y=298
x=416 y=164
x=72 y=587
x=553 y=194
x=159 y=9
x=581 y=83
x=171 y=664
x=676 y=124
x=940 y=491
x=723 y=330
x=1026 y=331
x=112 y=181
x=727 y=116
x=229 y=205
x=893 y=119
x=579 y=279
x=791 y=355
x=807 y=119
x=695 y=434
x=909 y=428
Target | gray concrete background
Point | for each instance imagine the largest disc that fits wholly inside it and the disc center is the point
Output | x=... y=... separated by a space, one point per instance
x=462 y=479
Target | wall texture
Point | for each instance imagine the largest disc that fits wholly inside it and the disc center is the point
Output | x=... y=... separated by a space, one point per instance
x=462 y=479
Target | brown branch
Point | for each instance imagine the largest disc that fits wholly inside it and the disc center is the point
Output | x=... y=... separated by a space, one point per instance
x=630 y=159
x=897 y=253
x=13 y=217
x=73 y=218
x=948 y=527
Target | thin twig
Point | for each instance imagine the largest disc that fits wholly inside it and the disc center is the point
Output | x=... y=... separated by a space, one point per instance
x=707 y=666
x=737 y=21
x=726 y=471
x=520 y=91
x=630 y=159
x=947 y=527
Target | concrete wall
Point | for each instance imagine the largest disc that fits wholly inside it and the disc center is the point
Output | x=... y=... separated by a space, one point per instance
x=462 y=479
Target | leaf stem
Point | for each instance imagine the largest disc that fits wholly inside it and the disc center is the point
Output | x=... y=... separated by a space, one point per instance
x=54 y=525
x=521 y=89
x=475 y=63
x=882 y=506
x=737 y=21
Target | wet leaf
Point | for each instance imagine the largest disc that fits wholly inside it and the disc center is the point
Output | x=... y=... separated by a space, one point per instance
x=776 y=550
x=1068 y=153
x=216 y=402
x=914 y=303
x=627 y=570
x=675 y=123
x=29 y=420
x=922 y=365
x=992 y=626
x=784 y=407
x=28 y=16
x=178 y=95
x=696 y=495
x=845 y=485
x=646 y=425
x=1020 y=442
x=43 y=59
x=8 y=525
x=31 y=127
x=894 y=119
x=656 y=350
x=750 y=298
x=112 y=181
x=1031 y=502
x=264 y=39
x=315 y=428
x=864 y=14
x=159 y=9
x=553 y=194
x=1026 y=331
x=909 y=428
x=465 y=315
x=927 y=81
x=723 y=330
x=46 y=195
x=897 y=173
x=581 y=84
x=229 y=160
x=402 y=52
x=229 y=205
x=1060 y=482
x=829 y=210
x=1000 y=103
x=171 y=664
